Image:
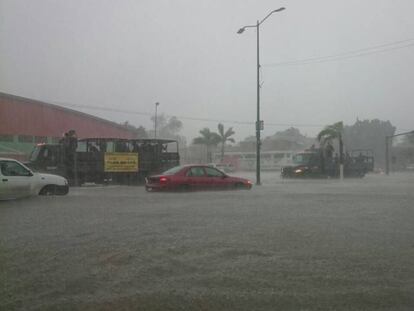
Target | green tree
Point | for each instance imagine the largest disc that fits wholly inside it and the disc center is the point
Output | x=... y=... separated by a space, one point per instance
x=330 y=133
x=167 y=127
x=225 y=137
x=209 y=139
x=140 y=132
x=369 y=134
x=289 y=139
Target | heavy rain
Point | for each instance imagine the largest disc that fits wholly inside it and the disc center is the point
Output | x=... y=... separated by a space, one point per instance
x=286 y=245
x=186 y=155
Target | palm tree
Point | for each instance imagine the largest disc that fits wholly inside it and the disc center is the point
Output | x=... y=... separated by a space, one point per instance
x=332 y=132
x=209 y=139
x=225 y=137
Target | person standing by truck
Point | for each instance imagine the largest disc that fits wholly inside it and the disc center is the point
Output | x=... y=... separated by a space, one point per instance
x=329 y=150
x=73 y=140
x=69 y=143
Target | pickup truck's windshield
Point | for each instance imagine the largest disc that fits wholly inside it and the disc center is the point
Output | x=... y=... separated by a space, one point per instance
x=302 y=158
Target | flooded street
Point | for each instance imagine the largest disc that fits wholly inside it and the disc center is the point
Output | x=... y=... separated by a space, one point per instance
x=285 y=245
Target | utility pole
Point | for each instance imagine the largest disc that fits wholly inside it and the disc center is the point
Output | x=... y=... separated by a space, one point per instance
x=258 y=141
x=259 y=123
x=155 y=120
x=387 y=155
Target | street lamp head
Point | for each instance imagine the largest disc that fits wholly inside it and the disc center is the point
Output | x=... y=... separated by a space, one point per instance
x=157 y=104
x=241 y=30
x=278 y=10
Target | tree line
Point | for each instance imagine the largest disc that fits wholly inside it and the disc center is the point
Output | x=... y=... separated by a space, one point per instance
x=363 y=134
x=212 y=139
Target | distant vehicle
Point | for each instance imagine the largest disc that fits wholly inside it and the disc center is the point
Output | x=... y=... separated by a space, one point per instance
x=17 y=180
x=246 y=161
x=195 y=177
x=364 y=158
x=106 y=160
x=312 y=164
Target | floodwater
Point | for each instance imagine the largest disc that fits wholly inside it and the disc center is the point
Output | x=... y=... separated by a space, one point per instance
x=285 y=245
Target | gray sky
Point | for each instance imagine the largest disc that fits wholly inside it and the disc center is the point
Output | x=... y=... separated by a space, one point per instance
x=186 y=54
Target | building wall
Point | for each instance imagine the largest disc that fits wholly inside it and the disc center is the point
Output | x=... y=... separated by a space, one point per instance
x=25 y=122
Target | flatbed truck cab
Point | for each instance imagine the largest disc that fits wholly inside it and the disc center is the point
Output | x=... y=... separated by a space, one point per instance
x=313 y=164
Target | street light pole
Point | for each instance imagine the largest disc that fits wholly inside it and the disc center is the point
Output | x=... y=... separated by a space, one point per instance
x=258 y=121
x=258 y=141
x=155 y=120
x=387 y=155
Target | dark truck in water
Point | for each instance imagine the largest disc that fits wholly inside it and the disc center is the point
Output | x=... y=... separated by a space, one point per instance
x=312 y=164
x=106 y=160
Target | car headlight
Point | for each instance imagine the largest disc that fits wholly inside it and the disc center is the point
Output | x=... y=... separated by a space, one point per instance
x=301 y=169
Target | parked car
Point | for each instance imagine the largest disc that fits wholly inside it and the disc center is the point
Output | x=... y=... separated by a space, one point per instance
x=17 y=180
x=195 y=177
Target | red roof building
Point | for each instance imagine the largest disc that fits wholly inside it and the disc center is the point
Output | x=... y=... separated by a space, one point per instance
x=20 y=115
x=24 y=122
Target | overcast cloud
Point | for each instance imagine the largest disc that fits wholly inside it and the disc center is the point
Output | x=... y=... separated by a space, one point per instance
x=187 y=55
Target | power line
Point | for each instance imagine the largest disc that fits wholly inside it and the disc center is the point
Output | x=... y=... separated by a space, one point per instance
x=349 y=54
x=200 y=119
x=186 y=117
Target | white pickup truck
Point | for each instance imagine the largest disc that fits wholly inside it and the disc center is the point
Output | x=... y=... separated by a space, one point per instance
x=17 y=180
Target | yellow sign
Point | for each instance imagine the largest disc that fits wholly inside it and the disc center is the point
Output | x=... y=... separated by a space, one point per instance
x=121 y=162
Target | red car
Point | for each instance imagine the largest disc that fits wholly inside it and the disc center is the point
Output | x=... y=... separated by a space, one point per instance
x=195 y=177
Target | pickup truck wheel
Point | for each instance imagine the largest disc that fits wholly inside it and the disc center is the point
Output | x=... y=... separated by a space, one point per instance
x=62 y=190
x=54 y=190
x=48 y=190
